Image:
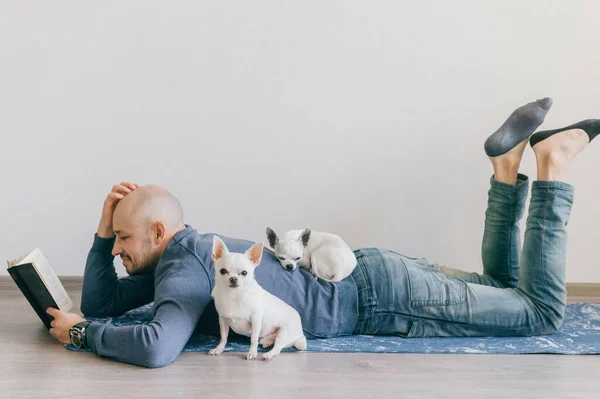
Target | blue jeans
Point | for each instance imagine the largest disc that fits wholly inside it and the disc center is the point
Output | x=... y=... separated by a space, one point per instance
x=401 y=295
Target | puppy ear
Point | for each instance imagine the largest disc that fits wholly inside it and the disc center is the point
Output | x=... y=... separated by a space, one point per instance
x=219 y=248
x=272 y=237
x=305 y=236
x=254 y=253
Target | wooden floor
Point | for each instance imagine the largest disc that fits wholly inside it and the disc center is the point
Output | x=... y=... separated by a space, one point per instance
x=33 y=364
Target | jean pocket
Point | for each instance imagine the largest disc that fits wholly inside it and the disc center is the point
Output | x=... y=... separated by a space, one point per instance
x=420 y=261
x=430 y=287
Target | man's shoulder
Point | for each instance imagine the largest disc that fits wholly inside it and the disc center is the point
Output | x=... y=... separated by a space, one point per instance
x=201 y=243
x=191 y=245
x=186 y=246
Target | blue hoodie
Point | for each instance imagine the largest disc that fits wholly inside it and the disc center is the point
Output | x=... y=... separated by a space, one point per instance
x=180 y=288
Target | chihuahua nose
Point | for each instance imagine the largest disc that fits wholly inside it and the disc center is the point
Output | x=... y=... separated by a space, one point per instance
x=289 y=267
x=233 y=280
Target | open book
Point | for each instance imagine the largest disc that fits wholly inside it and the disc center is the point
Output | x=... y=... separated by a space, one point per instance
x=40 y=285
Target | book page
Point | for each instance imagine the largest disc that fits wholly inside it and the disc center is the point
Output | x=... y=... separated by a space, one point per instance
x=15 y=262
x=50 y=279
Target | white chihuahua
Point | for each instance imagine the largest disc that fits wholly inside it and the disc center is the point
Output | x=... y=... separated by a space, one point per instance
x=247 y=308
x=325 y=255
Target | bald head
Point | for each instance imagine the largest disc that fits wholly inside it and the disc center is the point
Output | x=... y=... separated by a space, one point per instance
x=144 y=222
x=147 y=205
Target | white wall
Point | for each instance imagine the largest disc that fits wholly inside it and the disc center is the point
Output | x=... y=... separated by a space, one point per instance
x=365 y=118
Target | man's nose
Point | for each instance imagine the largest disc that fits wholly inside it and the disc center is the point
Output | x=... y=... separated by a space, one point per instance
x=116 y=249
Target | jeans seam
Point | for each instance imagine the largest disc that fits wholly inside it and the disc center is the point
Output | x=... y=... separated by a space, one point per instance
x=542 y=249
x=510 y=241
x=529 y=327
x=368 y=309
x=535 y=298
x=390 y=284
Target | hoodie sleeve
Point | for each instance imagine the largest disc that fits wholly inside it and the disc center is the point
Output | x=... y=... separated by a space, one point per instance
x=182 y=293
x=103 y=293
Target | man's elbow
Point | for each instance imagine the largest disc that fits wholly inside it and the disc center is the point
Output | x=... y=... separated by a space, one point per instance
x=160 y=355
x=160 y=348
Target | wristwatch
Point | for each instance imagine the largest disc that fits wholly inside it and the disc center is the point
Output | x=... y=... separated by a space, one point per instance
x=77 y=334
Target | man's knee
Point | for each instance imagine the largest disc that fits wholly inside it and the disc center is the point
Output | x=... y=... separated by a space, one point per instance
x=549 y=323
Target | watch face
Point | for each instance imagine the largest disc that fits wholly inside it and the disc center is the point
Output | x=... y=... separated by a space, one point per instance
x=76 y=338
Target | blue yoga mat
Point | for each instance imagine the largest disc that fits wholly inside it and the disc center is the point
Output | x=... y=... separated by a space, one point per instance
x=579 y=334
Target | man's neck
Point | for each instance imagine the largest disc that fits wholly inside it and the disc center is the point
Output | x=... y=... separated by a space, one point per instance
x=171 y=236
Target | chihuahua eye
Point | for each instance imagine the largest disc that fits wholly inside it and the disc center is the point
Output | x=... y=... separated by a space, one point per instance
x=281 y=257
x=297 y=259
x=244 y=273
x=223 y=271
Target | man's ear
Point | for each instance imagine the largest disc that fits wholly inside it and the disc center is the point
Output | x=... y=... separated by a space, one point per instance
x=254 y=253
x=272 y=237
x=158 y=231
x=219 y=248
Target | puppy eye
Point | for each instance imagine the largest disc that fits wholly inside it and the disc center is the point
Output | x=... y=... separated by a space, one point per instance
x=244 y=273
x=281 y=257
x=223 y=271
x=297 y=259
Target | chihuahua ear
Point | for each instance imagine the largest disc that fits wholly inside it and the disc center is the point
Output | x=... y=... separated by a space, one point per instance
x=272 y=237
x=254 y=253
x=219 y=248
x=305 y=236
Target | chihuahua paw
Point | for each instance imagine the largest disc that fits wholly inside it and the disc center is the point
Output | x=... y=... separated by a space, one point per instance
x=268 y=356
x=251 y=355
x=216 y=351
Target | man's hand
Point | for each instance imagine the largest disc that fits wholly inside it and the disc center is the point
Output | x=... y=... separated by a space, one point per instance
x=119 y=191
x=62 y=323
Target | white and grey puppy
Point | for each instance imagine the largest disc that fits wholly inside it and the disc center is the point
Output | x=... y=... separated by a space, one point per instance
x=245 y=307
x=325 y=255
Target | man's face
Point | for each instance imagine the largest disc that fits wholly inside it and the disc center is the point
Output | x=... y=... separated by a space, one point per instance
x=134 y=244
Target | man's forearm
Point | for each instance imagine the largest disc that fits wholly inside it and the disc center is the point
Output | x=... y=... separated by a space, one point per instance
x=150 y=345
x=182 y=294
x=99 y=279
x=105 y=232
x=104 y=294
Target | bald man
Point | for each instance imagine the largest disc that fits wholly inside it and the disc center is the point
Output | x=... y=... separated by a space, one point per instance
x=169 y=263
x=387 y=294
x=142 y=225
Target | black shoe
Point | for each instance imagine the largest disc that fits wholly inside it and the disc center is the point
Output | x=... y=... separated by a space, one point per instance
x=590 y=126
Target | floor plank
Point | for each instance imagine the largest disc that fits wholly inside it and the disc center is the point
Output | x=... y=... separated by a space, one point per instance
x=33 y=364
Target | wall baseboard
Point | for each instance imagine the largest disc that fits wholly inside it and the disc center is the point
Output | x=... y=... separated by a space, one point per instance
x=583 y=290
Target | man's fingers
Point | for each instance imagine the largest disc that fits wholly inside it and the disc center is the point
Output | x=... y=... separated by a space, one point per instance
x=119 y=188
x=131 y=186
x=53 y=312
x=124 y=188
x=52 y=332
x=115 y=196
x=53 y=323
